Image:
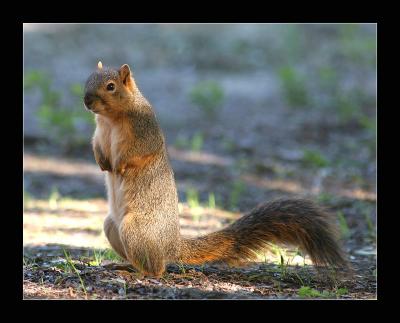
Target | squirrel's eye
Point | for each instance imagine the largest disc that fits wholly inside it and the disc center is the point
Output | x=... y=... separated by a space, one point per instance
x=110 y=87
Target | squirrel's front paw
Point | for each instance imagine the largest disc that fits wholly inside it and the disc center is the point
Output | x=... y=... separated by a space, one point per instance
x=120 y=168
x=105 y=167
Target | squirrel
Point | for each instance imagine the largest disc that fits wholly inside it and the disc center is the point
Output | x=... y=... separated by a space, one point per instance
x=143 y=221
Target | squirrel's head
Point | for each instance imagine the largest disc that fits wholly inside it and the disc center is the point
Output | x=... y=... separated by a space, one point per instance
x=109 y=91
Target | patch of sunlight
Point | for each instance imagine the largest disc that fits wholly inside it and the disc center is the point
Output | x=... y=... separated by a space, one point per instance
x=281 y=185
x=200 y=220
x=289 y=255
x=359 y=194
x=65 y=221
x=294 y=187
x=90 y=205
x=34 y=163
x=63 y=228
x=215 y=212
x=60 y=221
x=199 y=157
x=77 y=239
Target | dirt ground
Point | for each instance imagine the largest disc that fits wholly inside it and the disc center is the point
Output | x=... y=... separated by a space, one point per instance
x=256 y=148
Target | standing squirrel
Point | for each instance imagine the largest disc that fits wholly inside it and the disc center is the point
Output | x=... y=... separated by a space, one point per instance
x=143 y=221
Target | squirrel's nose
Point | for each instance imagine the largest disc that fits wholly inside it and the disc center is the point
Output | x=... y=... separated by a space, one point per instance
x=89 y=99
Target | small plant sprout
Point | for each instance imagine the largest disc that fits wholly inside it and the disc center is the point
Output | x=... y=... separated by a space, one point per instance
x=181 y=267
x=72 y=266
x=27 y=198
x=314 y=159
x=98 y=258
x=284 y=267
x=208 y=97
x=192 y=197
x=197 y=142
x=237 y=189
x=370 y=225
x=181 y=142
x=293 y=86
x=125 y=288
x=101 y=255
x=344 y=228
x=54 y=198
x=308 y=292
x=325 y=198
x=211 y=200
x=299 y=278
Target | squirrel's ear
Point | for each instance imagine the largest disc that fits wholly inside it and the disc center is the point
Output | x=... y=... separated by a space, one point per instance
x=125 y=73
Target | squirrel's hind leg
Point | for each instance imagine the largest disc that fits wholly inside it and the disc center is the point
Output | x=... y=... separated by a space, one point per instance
x=143 y=251
x=111 y=231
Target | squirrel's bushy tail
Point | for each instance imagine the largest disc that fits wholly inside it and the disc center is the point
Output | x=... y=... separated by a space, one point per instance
x=296 y=222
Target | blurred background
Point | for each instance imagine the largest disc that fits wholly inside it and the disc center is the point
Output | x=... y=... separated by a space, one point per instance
x=250 y=112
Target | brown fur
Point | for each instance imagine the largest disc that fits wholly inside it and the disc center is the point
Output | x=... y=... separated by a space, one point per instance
x=143 y=224
x=296 y=222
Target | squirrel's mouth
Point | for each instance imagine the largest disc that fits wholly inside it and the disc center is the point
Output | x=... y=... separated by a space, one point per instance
x=91 y=108
x=89 y=101
x=88 y=107
x=93 y=103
